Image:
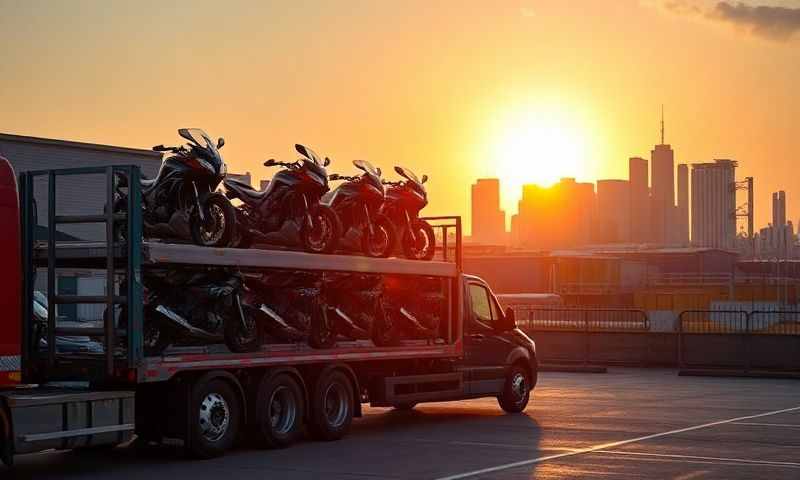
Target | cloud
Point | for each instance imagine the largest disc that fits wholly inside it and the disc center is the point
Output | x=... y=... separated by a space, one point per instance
x=772 y=23
x=768 y=22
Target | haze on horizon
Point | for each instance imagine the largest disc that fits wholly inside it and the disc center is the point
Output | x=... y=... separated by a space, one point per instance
x=525 y=91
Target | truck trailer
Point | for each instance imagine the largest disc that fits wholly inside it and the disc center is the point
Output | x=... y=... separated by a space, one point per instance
x=205 y=395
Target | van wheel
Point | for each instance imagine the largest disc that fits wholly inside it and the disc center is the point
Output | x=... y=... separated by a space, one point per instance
x=214 y=419
x=517 y=390
x=280 y=411
x=331 y=406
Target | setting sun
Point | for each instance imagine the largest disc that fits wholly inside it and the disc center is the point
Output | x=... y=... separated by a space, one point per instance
x=539 y=144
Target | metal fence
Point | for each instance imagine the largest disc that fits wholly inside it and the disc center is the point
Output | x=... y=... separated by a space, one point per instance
x=741 y=340
x=732 y=339
x=580 y=319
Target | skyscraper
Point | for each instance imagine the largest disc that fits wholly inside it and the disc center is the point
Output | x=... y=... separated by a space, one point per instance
x=714 y=204
x=560 y=216
x=613 y=214
x=488 y=220
x=639 y=200
x=662 y=195
x=682 y=211
x=778 y=209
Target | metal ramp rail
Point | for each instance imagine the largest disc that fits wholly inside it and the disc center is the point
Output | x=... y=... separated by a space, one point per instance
x=125 y=254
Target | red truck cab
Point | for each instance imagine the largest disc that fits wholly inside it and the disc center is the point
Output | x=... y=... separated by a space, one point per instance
x=10 y=281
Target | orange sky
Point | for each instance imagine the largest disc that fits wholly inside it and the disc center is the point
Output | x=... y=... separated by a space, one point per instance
x=442 y=87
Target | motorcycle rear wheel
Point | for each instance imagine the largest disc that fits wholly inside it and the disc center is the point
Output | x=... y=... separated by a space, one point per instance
x=220 y=221
x=422 y=245
x=323 y=235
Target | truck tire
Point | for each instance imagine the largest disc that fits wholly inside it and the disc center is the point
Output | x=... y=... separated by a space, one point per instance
x=517 y=390
x=280 y=411
x=214 y=418
x=331 y=406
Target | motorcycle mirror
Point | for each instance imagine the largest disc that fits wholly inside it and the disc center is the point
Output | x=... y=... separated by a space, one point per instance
x=327 y=162
x=333 y=176
x=270 y=163
x=159 y=148
x=424 y=178
x=220 y=142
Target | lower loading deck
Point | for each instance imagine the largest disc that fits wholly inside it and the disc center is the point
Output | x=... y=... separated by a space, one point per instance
x=157 y=369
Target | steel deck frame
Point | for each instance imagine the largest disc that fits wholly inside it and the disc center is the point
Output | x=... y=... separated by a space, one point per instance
x=129 y=258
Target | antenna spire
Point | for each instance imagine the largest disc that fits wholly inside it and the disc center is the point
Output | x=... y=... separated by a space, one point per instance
x=662 y=124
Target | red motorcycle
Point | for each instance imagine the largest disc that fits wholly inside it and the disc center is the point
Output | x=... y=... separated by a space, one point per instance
x=403 y=202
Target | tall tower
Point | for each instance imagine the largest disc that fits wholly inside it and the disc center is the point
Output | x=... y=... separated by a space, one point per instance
x=662 y=195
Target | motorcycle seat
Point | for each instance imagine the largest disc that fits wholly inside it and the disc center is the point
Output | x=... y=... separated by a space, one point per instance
x=245 y=189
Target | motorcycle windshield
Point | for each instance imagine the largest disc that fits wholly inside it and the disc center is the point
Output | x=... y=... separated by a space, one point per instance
x=409 y=175
x=202 y=140
x=366 y=166
x=309 y=154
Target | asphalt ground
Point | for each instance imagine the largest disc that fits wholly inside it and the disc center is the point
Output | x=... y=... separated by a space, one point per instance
x=628 y=423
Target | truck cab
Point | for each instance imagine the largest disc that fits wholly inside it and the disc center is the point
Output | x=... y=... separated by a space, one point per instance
x=499 y=359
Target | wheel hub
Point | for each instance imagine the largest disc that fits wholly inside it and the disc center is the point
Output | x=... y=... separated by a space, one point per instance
x=214 y=417
x=335 y=405
x=518 y=386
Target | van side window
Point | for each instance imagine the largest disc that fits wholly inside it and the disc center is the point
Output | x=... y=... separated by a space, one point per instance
x=481 y=304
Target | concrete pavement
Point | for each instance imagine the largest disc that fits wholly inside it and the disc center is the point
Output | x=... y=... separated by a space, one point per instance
x=629 y=423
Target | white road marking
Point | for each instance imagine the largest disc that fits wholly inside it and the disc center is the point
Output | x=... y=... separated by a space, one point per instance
x=606 y=446
x=756 y=424
x=696 y=457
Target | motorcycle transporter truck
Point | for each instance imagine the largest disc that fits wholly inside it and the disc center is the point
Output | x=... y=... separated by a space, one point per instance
x=109 y=391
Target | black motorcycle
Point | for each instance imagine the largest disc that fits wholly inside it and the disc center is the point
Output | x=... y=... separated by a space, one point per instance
x=286 y=303
x=415 y=307
x=288 y=211
x=353 y=306
x=404 y=200
x=357 y=202
x=181 y=202
x=196 y=307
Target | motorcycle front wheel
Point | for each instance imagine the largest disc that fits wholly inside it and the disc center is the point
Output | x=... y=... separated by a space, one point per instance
x=378 y=242
x=323 y=233
x=422 y=244
x=217 y=228
x=321 y=334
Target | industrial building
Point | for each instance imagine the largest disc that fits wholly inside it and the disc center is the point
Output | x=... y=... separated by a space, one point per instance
x=714 y=204
x=73 y=198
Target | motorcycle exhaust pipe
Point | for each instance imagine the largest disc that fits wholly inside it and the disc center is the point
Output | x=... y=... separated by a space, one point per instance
x=183 y=324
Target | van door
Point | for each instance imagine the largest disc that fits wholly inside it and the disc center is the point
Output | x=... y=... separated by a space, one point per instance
x=485 y=348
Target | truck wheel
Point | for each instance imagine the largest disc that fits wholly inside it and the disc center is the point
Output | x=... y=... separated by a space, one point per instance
x=280 y=411
x=331 y=406
x=214 y=419
x=516 y=392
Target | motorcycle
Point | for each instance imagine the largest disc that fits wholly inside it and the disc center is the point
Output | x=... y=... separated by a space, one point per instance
x=181 y=202
x=288 y=210
x=354 y=308
x=357 y=202
x=404 y=200
x=416 y=308
x=286 y=303
x=196 y=307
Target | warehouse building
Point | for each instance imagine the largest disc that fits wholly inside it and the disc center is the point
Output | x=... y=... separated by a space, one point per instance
x=84 y=195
